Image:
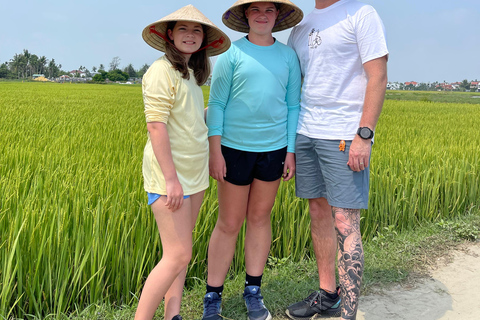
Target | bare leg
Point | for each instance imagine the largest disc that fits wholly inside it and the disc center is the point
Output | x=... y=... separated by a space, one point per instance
x=258 y=237
x=176 y=237
x=324 y=242
x=232 y=203
x=173 y=296
x=350 y=259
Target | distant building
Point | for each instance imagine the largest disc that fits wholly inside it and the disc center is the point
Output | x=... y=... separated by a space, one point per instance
x=35 y=76
x=82 y=74
x=393 y=86
x=446 y=87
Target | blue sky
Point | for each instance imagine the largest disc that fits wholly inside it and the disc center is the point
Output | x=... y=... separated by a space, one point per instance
x=428 y=40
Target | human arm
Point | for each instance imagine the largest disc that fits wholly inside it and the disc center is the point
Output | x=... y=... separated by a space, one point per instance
x=159 y=95
x=289 y=166
x=292 y=98
x=219 y=94
x=163 y=153
x=216 y=165
x=360 y=149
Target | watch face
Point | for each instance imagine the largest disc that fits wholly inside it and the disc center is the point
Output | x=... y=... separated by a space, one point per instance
x=365 y=133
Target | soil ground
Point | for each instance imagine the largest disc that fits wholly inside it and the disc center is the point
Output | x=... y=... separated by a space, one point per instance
x=452 y=292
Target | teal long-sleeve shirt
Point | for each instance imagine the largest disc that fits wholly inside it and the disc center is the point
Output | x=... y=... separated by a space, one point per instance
x=255 y=97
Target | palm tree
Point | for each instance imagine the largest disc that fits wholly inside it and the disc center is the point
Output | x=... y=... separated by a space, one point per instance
x=42 y=63
x=15 y=64
x=33 y=64
x=26 y=56
x=53 y=69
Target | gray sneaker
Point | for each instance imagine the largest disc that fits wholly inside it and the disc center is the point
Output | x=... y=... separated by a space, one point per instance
x=212 y=306
x=254 y=301
x=316 y=305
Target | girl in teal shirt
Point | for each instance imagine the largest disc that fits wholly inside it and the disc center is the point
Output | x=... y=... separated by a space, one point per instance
x=252 y=119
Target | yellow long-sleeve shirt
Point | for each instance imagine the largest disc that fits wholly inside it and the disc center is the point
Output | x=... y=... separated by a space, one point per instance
x=178 y=103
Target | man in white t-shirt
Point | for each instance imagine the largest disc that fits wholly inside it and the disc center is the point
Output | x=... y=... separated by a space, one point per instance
x=343 y=55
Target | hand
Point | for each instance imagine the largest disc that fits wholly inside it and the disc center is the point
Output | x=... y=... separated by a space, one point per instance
x=359 y=154
x=289 y=166
x=174 y=195
x=217 y=166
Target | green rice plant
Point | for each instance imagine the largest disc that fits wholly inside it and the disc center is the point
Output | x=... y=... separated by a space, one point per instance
x=75 y=229
x=424 y=164
x=66 y=152
x=433 y=96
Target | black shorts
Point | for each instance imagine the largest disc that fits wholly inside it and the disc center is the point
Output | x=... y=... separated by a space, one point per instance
x=244 y=166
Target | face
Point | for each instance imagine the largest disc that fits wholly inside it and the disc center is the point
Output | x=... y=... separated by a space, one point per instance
x=261 y=17
x=187 y=36
x=322 y=4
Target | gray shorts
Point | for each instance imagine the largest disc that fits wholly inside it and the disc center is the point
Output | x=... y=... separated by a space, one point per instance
x=322 y=172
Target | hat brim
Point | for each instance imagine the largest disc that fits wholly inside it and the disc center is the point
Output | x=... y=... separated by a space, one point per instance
x=289 y=16
x=188 y=13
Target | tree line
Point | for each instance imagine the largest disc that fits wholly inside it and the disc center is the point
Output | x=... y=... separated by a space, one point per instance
x=24 y=65
x=462 y=86
x=116 y=74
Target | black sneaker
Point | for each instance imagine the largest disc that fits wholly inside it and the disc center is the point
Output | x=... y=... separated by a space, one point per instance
x=254 y=301
x=212 y=306
x=177 y=317
x=317 y=304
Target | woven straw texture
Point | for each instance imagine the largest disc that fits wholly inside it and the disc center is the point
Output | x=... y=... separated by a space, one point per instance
x=289 y=16
x=187 y=13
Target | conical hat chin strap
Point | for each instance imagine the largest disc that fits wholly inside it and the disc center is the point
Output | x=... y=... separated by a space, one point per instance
x=215 y=44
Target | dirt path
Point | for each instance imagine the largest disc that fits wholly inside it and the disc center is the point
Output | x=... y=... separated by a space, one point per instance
x=452 y=293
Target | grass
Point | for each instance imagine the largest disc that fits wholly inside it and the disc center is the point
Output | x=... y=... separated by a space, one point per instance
x=390 y=258
x=434 y=96
x=75 y=230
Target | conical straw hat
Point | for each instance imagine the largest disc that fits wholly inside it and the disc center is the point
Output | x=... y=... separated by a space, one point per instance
x=155 y=33
x=289 y=16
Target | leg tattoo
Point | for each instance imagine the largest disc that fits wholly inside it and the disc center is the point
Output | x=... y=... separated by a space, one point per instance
x=350 y=258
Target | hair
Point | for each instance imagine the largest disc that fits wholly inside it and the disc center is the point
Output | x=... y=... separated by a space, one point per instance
x=276 y=4
x=247 y=5
x=199 y=61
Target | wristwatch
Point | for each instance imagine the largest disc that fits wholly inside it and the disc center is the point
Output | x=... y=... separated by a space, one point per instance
x=365 y=133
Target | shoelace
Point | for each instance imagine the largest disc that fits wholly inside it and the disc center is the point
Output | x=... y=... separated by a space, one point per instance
x=211 y=306
x=313 y=298
x=254 y=301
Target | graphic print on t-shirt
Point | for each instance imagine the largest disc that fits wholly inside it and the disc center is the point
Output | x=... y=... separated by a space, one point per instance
x=314 y=39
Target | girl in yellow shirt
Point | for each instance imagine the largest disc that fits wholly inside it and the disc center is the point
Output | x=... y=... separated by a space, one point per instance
x=175 y=163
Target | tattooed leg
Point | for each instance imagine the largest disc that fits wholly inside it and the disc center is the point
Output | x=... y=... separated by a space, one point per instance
x=350 y=258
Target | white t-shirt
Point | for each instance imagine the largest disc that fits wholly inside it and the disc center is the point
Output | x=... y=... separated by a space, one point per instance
x=332 y=45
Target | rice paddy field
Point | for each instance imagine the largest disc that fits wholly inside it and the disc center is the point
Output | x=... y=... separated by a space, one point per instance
x=75 y=229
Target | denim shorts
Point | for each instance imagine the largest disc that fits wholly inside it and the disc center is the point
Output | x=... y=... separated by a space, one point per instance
x=322 y=172
x=152 y=197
